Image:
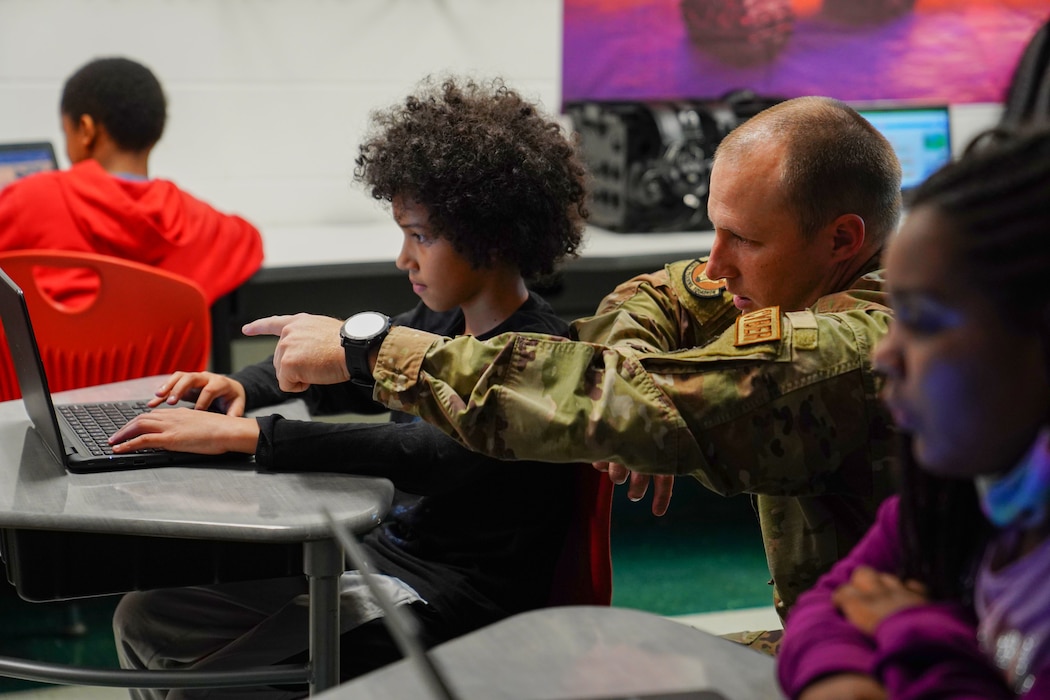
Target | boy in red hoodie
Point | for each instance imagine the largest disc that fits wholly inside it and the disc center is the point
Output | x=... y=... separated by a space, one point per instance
x=113 y=113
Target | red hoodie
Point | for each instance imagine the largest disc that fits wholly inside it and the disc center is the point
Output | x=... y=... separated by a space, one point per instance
x=148 y=221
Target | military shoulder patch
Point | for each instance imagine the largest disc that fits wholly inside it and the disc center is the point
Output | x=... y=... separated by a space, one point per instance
x=762 y=326
x=697 y=282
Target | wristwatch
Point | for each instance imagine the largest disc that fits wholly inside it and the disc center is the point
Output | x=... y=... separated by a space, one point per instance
x=359 y=334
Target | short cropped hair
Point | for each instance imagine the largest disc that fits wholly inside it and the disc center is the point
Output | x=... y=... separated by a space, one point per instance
x=837 y=163
x=499 y=179
x=121 y=95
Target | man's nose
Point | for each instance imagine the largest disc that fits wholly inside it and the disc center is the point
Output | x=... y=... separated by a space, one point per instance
x=718 y=263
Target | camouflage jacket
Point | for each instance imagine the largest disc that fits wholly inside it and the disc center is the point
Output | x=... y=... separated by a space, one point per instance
x=669 y=378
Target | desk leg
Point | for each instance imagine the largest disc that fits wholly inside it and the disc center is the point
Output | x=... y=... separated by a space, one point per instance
x=223 y=314
x=323 y=564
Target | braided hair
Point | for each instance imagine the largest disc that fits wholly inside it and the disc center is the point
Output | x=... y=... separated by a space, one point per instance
x=996 y=198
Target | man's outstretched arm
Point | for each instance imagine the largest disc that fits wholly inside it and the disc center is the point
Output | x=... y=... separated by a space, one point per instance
x=781 y=418
x=565 y=401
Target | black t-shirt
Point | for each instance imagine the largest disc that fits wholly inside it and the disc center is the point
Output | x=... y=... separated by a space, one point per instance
x=476 y=537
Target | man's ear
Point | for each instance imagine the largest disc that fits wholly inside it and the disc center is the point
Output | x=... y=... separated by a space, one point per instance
x=847 y=237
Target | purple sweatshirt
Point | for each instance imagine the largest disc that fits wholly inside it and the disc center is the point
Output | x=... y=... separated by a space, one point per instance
x=930 y=651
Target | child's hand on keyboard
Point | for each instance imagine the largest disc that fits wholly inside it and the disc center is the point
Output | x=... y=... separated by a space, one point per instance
x=183 y=430
x=208 y=391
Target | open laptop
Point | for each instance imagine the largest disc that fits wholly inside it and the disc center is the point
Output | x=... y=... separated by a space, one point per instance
x=20 y=159
x=920 y=136
x=79 y=448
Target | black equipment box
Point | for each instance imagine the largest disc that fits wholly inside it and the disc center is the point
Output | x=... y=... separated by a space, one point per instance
x=650 y=162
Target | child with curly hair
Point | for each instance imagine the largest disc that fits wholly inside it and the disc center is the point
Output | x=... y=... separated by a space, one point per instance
x=488 y=192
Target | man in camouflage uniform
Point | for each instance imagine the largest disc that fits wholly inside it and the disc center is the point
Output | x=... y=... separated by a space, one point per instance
x=748 y=370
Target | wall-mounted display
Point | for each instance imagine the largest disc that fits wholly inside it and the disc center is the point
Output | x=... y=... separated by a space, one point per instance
x=930 y=51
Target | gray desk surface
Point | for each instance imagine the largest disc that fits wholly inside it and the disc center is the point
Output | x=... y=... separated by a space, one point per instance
x=202 y=502
x=168 y=506
x=581 y=652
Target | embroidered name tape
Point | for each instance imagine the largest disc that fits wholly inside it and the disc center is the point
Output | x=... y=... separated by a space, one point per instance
x=762 y=326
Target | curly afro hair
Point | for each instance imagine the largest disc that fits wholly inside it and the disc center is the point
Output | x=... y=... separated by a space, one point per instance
x=122 y=95
x=499 y=179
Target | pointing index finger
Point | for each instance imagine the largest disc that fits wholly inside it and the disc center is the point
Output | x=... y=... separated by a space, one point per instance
x=271 y=325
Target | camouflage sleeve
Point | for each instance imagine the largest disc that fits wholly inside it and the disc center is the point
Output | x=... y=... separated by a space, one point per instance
x=648 y=313
x=531 y=396
x=640 y=313
x=776 y=417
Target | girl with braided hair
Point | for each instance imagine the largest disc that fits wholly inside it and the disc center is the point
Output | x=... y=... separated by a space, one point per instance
x=946 y=596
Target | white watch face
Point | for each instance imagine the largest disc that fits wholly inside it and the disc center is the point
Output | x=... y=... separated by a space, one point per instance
x=364 y=325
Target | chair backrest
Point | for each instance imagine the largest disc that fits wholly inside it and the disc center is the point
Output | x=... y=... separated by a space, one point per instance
x=1028 y=96
x=141 y=320
x=583 y=574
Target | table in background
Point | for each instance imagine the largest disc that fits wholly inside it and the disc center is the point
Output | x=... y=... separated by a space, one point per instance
x=581 y=652
x=73 y=535
x=338 y=270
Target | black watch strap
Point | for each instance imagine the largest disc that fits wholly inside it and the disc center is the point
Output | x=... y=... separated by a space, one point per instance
x=357 y=362
x=360 y=334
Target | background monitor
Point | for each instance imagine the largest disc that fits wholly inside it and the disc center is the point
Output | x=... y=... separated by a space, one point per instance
x=20 y=159
x=920 y=136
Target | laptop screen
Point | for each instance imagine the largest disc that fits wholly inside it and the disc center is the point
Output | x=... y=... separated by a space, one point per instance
x=20 y=159
x=29 y=368
x=920 y=136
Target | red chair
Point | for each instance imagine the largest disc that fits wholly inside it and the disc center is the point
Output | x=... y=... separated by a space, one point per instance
x=583 y=574
x=129 y=320
x=142 y=321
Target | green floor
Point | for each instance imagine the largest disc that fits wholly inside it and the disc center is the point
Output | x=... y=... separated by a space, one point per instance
x=704 y=555
x=40 y=632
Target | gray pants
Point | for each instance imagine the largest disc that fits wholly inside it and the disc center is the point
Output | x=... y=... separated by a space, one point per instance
x=232 y=626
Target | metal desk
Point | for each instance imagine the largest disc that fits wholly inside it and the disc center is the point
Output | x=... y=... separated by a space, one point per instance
x=74 y=535
x=581 y=652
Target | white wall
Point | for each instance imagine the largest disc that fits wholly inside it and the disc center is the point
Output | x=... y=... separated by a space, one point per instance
x=967 y=120
x=268 y=98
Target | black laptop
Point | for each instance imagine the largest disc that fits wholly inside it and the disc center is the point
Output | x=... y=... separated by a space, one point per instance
x=76 y=433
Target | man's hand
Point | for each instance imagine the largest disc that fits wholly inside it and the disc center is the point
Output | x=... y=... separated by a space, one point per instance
x=662 y=484
x=871 y=596
x=846 y=686
x=308 y=351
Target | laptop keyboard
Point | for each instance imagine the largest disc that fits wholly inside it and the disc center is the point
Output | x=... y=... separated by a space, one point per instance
x=95 y=422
